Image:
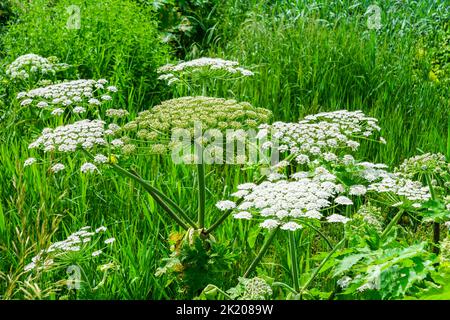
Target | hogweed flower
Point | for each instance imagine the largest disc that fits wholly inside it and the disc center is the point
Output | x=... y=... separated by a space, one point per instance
x=322 y=136
x=212 y=66
x=32 y=64
x=371 y=215
x=410 y=190
x=251 y=289
x=89 y=135
x=88 y=167
x=57 y=167
x=430 y=168
x=284 y=203
x=116 y=113
x=80 y=241
x=29 y=162
x=206 y=122
x=76 y=95
x=337 y=218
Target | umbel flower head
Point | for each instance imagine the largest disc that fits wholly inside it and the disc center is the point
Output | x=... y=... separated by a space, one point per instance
x=433 y=164
x=32 y=64
x=371 y=216
x=285 y=203
x=76 y=95
x=90 y=135
x=212 y=66
x=407 y=192
x=251 y=289
x=157 y=124
x=80 y=241
x=321 y=136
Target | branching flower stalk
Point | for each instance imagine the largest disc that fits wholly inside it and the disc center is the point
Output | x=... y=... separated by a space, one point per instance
x=201 y=194
x=156 y=195
x=294 y=261
x=436 y=225
x=261 y=252
x=392 y=223
x=316 y=272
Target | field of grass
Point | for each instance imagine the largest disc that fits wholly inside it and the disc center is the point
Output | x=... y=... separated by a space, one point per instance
x=306 y=57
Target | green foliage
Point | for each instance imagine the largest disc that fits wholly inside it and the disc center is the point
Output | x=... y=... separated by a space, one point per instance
x=196 y=262
x=6 y=13
x=307 y=56
x=185 y=23
x=321 y=55
x=113 y=39
x=435 y=211
x=388 y=272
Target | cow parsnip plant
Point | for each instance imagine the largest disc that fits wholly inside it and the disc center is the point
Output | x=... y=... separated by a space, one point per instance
x=104 y=194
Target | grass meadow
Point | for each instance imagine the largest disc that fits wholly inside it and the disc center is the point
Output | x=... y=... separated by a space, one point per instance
x=390 y=60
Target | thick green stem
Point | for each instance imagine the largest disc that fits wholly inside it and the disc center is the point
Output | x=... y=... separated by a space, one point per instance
x=391 y=224
x=320 y=233
x=316 y=272
x=261 y=253
x=169 y=201
x=150 y=189
x=294 y=261
x=436 y=236
x=436 y=225
x=448 y=135
x=201 y=194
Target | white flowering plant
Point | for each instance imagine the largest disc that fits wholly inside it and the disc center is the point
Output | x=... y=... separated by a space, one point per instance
x=391 y=272
x=91 y=136
x=189 y=121
x=32 y=68
x=433 y=169
x=74 y=99
x=65 y=260
x=95 y=144
x=200 y=74
x=327 y=136
x=257 y=288
x=325 y=186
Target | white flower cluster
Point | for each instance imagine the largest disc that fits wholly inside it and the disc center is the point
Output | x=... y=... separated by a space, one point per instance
x=116 y=113
x=255 y=289
x=281 y=203
x=76 y=94
x=412 y=190
x=75 y=242
x=321 y=135
x=382 y=181
x=429 y=163
x=372 y=171
x=171 y=73
x=85 y=134
x=90 y=135
x=29 y=162
x=27 y=64
x=88 y=167
x=372 y=216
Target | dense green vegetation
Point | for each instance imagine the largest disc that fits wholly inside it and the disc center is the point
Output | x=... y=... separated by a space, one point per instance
x=306 y=57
